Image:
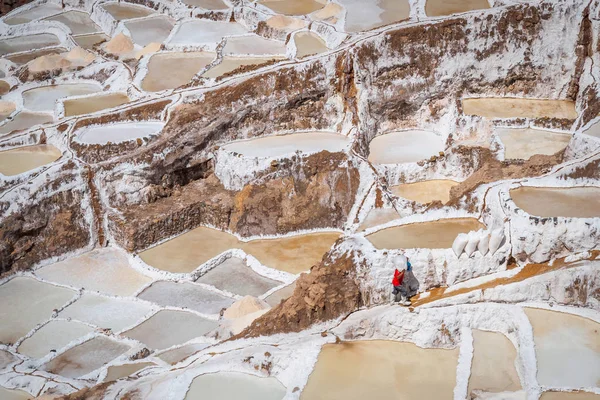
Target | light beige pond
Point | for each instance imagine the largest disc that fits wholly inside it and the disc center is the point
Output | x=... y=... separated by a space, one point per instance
x=38 y=12
x=107 y=312
x=248 y=282
x=593 y=130
x=160 y=67
x=438 y=234
x=186 y=295
x=253 y=44
x=78 y=22
x=27 y=302
x=54 y=335
x=88 y=41
x=382 y=370
x=92 y=104
x=115 y=372
x=426 y=191
x=438 y=8
x=510 y=107
x=308 y=44
x=293 y=7
x=181 y=353
x=23 y=159
x=121 y=11
x=168 y=328
x=43 y=98
x=86 y=357
x=525 y=143
x=567 y=349
x=405 y=147
x=14 y=394
x=25 y=120
x=150 y=30
x=235 y=386
x=581 y=202
x=378 y=216
x=207 y=4
x=282 y=294
x=231 y=63
x=105 y=270
x=6 y=109
x=24 y=58
x=569 y=396
x=493 y=366
x=363 y=15
x=187 y=252
x=28 y=42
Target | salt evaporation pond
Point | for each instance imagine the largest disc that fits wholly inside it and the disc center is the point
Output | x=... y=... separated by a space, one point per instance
x=230 y=64
x=55 y=335
x=493 y=366
x=160 y=68
x=308 y=44
x=511 y=107
x=574 y=202
x=86 y=357
x=205 y=32
x=117 y=133
x=107 y=312
x=207 y=4
x=14 y=394
x=121 y=11
x=426 y=191
x=27 y=42
x=23 y=159
x=593 y=130
x=105 y=270
x=25 y=120
x=253 y=44
x=169 y=328
x=567 y=349
x=150 y=30
x=4 y=87
x=293 y=7
x=380 y=369
x=87 y=105
x=438 y=234
x=6 y=109
x=404 y=147
x=26 y=303
x=438 y=8
x=24 y=58
x=77 y=21
x=569 y=396
x=178 y=354
x=187 y=295
x=187 y=252
x=115 y=372
x=88 y=41
x=40 y=11
x=43 y=98
x=364 y=15
x=235 y=386
x=280 y=145
x=378 y=216
x=247 y=281
x=282 y=294
x=525 y=143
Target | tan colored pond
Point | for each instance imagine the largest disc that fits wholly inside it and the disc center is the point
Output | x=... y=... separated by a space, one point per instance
x=493 y=366
x=207 y=4
x=88 y=41
x=4 y=87
x=160 y=67
x=43 y=98
x=27 y=42
x=115 y=372
x=381 y=370
x=78 y=22
x=438 y=8
x=92 y=104
x=308 y=44
x=581 y=202
x=235 y=386
x=378 y=216
x=23 y=159
x=426 y=191
x=10 y=394
x=231 y=63
x=525 y=143
x=24 y=58
x=121 y=11
x=178 y=354
x=187 y=252
x=40 y=11
x=150 y=30
x=438 y=234
x=567 y=349
x=27 y=302
x=25 y=120
x=54 y=335
x=511 y=107
x=282 y=294
x=6 y=108
x=293 y=7
x=364 y=15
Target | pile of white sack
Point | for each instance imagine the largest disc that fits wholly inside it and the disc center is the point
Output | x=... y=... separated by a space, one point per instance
x=484 y=241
